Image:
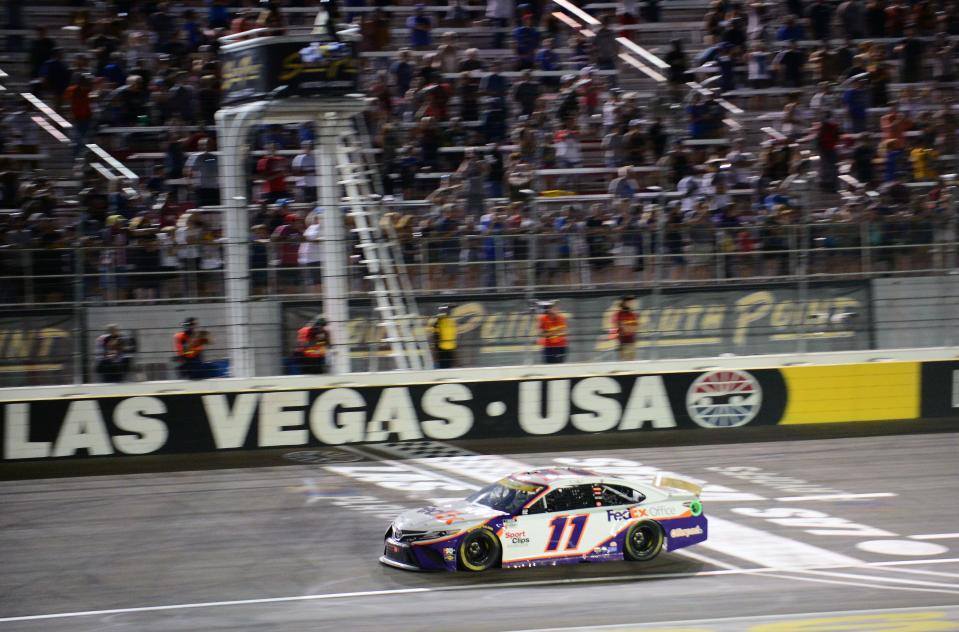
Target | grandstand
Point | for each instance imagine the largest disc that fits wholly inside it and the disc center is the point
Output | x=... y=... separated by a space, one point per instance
x=521 y=152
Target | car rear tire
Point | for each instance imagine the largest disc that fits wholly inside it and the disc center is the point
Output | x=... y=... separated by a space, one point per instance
x=479 y=550
x=644 y=540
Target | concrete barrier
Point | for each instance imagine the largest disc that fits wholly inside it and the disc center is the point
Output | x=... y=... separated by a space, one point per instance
x=702 y=394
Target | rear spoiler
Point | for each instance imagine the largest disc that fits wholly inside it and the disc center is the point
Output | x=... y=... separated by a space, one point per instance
x=677 y=483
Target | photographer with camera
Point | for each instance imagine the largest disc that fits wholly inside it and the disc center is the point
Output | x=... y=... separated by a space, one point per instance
x=312 y=345
x=443 y=337
x=552 y=330
x=189 y=344
x=114 y=354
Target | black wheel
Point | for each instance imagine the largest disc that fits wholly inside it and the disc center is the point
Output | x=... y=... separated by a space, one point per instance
x=479 y=550
x=644 y=541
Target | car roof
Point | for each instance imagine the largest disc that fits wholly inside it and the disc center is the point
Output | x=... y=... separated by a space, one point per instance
x=554 y=477
x=557 y=476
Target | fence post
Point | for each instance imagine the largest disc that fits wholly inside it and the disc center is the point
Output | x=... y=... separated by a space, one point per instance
x=802 y=271
x=656 y=294
x=26 y=256
x=865 y=247
x=79 y=310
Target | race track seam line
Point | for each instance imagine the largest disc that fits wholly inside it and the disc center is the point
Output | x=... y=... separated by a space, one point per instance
x=841 y=582
x=879 y=578
x=917 y=571
x=769 y=572
x=754 y=617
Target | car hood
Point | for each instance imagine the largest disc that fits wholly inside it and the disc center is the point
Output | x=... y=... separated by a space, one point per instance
x=446 y=517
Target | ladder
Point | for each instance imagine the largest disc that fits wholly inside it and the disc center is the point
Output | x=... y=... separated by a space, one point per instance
x=392 y=293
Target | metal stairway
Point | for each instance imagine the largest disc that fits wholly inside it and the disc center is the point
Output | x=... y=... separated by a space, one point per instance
x=392 y=292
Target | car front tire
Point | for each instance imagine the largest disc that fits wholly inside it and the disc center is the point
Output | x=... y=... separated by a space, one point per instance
x=479 y=550
x=644 y=540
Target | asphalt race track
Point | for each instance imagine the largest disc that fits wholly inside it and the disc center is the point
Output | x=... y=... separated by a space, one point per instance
x=853 y=533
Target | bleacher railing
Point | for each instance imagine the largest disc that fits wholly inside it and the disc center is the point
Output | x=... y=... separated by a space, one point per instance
x=668 y=254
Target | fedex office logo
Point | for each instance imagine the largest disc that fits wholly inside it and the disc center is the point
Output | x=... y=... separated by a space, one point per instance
x=617 y=515
x=686 y=533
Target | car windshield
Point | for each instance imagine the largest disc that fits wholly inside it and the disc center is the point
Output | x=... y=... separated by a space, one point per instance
x=506 y=495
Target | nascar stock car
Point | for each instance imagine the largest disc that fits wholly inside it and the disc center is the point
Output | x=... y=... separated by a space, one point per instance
x=549 y=517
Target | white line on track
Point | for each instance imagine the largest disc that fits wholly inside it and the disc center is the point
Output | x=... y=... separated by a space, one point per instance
x=758 y=617
x=935 y=536
x=770 y=572
x=796 y=499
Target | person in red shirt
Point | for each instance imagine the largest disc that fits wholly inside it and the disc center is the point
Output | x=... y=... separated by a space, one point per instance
x=590 y=90
x=625 y=326
x=552 y=330
x=826 y=134
x=287 y=237
x=273 y=169
x=77 y=98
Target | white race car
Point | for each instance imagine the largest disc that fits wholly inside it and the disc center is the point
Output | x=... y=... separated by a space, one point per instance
x=548 y=517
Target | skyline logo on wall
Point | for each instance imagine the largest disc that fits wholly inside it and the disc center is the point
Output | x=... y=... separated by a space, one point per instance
x=206 y=422
x=724 y=399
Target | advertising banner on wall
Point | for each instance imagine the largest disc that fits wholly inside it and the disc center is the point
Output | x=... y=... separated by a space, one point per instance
x=36 y=348
x=206 y=422
x=497 y=331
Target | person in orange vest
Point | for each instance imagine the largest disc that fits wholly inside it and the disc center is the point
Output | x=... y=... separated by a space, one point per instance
x=552 y=331
x=625 y=326
x=303 y=333
x=189 y=344
x=313 y=343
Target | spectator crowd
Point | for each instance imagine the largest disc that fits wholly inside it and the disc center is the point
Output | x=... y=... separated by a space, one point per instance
x=484 y=137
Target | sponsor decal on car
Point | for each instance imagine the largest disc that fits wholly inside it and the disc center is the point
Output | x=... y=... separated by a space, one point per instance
x=652 y=511
x=449 y=554
x=656 y=511
x=686 y=533
x=616 y=515
x=516 y=537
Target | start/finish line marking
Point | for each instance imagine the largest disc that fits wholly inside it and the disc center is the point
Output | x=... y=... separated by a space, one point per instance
x=403 y=591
